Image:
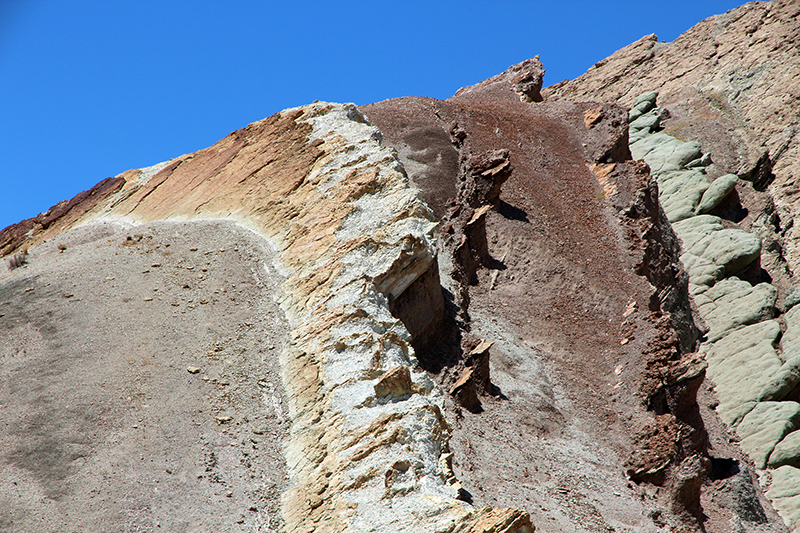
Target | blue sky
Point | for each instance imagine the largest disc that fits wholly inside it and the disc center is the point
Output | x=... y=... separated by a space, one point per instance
x=89 y=89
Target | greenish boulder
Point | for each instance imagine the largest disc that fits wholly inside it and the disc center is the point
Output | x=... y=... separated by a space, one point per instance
x=680 y=191
x=732 y=248
x=792 y=298
x=719 y=189
x=732 y=415
x=700 y=224
x=745 y=338
x=790 y=342
x=783 y=382
x=784 y=492
x=732 y=303
x=743 y=375
x=785 y=482
x=645 y=101
x=789 y=510
x=786 y=452
x=711 y=260
x=637 y=135
x=702 y=271
x=672 y=155
x=647 y=121
x=649 y=143
x=765 y=426
x=703 y=236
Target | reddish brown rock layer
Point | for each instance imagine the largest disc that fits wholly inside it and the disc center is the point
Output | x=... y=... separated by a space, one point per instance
x=58 y=218
x=574 y=254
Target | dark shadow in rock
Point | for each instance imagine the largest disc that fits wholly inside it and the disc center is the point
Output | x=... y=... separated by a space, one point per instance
x=496 y=264
x=443 y=348
x=497 y=393
x=465 y=496
x=512 y=213
x=723 y=468
x=754 y=274
x=731 y=208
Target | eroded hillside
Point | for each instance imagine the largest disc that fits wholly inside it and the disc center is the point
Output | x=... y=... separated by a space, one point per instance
x=492 y=313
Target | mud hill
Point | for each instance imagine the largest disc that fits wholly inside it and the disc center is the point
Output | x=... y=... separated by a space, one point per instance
x=517 y=309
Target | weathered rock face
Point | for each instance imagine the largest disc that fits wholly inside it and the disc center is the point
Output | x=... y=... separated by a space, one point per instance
x=732 y=82
x=723 y=149
x=515 y=253
x=368 y=444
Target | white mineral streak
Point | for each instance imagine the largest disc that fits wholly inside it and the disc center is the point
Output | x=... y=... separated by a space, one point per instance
x=393 y=478
x=148 y=172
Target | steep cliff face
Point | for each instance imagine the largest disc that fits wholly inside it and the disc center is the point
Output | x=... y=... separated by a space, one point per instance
x=572 y=272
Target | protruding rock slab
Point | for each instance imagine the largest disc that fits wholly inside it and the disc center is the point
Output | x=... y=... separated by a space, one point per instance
x=784 y=492
x=765 y=426
x=743 y=363
x=786 y=452
x=733 y=303
x=719 y=189
x=711 y=252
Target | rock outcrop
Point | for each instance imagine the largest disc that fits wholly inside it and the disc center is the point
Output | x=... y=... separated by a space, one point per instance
x=510 y=225
x=754 y=379
x=723 y=149
x=368 y=445
x=730 y=83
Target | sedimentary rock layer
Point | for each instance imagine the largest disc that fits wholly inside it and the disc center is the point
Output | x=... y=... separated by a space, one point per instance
x=575 y=242
x=754 y=370
x=732 y=82
x=368 y=445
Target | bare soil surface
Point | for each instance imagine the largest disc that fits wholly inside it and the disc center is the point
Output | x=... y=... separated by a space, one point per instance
x=139 y=382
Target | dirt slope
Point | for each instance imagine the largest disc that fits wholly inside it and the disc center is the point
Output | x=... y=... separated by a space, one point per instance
x=104 y=428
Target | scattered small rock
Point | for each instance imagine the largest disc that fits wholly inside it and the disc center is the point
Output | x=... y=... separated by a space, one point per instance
x=192 y=369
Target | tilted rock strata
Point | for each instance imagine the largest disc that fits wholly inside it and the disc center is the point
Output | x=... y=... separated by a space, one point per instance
x=732 y=82
x=756 y=374
x=574 y=241
x=351 y=236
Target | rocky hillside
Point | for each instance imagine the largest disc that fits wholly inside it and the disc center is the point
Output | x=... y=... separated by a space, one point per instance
x=517 y=309
x=722 y=146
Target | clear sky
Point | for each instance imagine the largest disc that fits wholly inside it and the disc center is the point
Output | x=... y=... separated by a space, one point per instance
x=89 y=89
